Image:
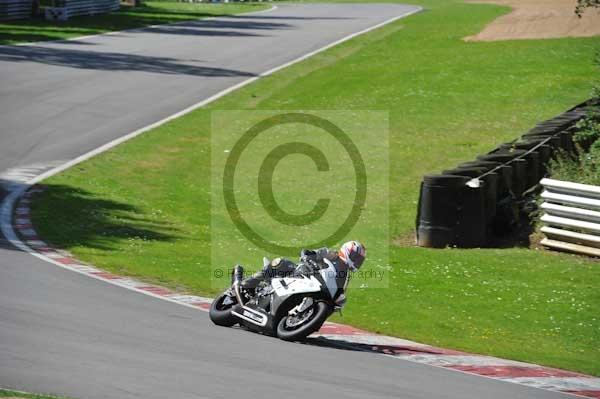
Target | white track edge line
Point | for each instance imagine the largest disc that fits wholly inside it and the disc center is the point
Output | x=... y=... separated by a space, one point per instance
x=208 y=100
x=138 y=29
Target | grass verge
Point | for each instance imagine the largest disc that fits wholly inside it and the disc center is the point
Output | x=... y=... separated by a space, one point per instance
x=151 y=13
x=17 y=394
x=143 y=209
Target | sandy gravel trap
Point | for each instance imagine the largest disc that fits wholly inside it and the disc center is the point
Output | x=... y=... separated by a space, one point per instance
x=539 y=19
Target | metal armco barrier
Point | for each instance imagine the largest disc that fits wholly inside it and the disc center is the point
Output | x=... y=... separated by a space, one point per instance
x=468 y=205
x=71 y=8
x=571 y=216
x=15 y=9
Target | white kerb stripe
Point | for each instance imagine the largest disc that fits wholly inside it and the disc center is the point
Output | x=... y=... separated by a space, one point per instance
x=558 y=383
x=462 y=360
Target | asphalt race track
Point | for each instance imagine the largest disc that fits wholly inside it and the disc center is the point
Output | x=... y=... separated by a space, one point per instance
x=64 y=333
x=60 y=100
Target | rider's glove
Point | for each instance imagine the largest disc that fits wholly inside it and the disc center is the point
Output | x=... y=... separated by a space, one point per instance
x=306 y=255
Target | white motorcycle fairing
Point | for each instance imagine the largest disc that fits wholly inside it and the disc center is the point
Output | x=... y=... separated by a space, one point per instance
x=298 y=285
x=329 y=274
x=295 y=285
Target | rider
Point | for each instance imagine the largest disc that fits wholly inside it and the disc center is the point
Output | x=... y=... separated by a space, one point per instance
x=350 y=257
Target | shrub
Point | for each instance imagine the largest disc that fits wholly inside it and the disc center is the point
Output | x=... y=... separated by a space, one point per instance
x=585 y=167
x=588 y=131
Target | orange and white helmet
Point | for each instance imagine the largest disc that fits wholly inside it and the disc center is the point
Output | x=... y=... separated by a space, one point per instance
x=353 y=254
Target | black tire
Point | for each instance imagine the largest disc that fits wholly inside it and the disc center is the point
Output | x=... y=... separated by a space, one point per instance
x=322 y=312
x=220 y=314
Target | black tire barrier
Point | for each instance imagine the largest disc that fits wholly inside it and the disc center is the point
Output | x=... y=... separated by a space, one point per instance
x=471 y=231
x=567 y=141
x=545 y=152
x=489 y=188
x=539 y=145
x=511 y=152
x=480 y=164
x=440 y=202
x=553 y=141
x=504 y=147
x=524 y=144
x=466 y=205
x=518 y=166
x=533 y=169
x=470 y=171
x=504 y=172
x=519 y=186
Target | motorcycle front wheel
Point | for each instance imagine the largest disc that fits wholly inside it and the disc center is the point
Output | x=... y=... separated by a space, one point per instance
x=298 y=327
x=220 y=313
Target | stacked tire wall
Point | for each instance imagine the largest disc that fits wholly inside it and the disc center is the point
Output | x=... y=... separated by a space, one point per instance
x=469 y=205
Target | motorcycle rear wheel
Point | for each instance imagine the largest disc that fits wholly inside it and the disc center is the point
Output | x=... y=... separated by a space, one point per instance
x=321 y=311
x=220 y=314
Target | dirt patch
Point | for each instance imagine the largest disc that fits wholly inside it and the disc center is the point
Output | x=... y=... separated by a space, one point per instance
x=539 y=19
x=408 y=239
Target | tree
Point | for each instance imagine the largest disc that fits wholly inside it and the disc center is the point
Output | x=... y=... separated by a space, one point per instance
x=582 y=5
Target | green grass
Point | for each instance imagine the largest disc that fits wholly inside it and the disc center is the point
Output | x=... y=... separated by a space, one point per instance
x=17 y=394
x=143 y=210
x=151 y=13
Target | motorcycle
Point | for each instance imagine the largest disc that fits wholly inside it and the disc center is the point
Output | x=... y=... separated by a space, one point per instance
x=288 y=307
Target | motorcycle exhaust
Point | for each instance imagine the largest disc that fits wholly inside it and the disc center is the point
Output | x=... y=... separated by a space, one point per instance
x=245 y=312
x=237 y=277
x=237 y=274
x=250 y=315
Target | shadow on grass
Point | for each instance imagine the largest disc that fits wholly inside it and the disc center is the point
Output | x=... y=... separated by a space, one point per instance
x=69 y=217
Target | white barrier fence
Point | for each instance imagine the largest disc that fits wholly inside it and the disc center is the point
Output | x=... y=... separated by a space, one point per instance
x=72 y=8
x=571 y=216
x=15 y=9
